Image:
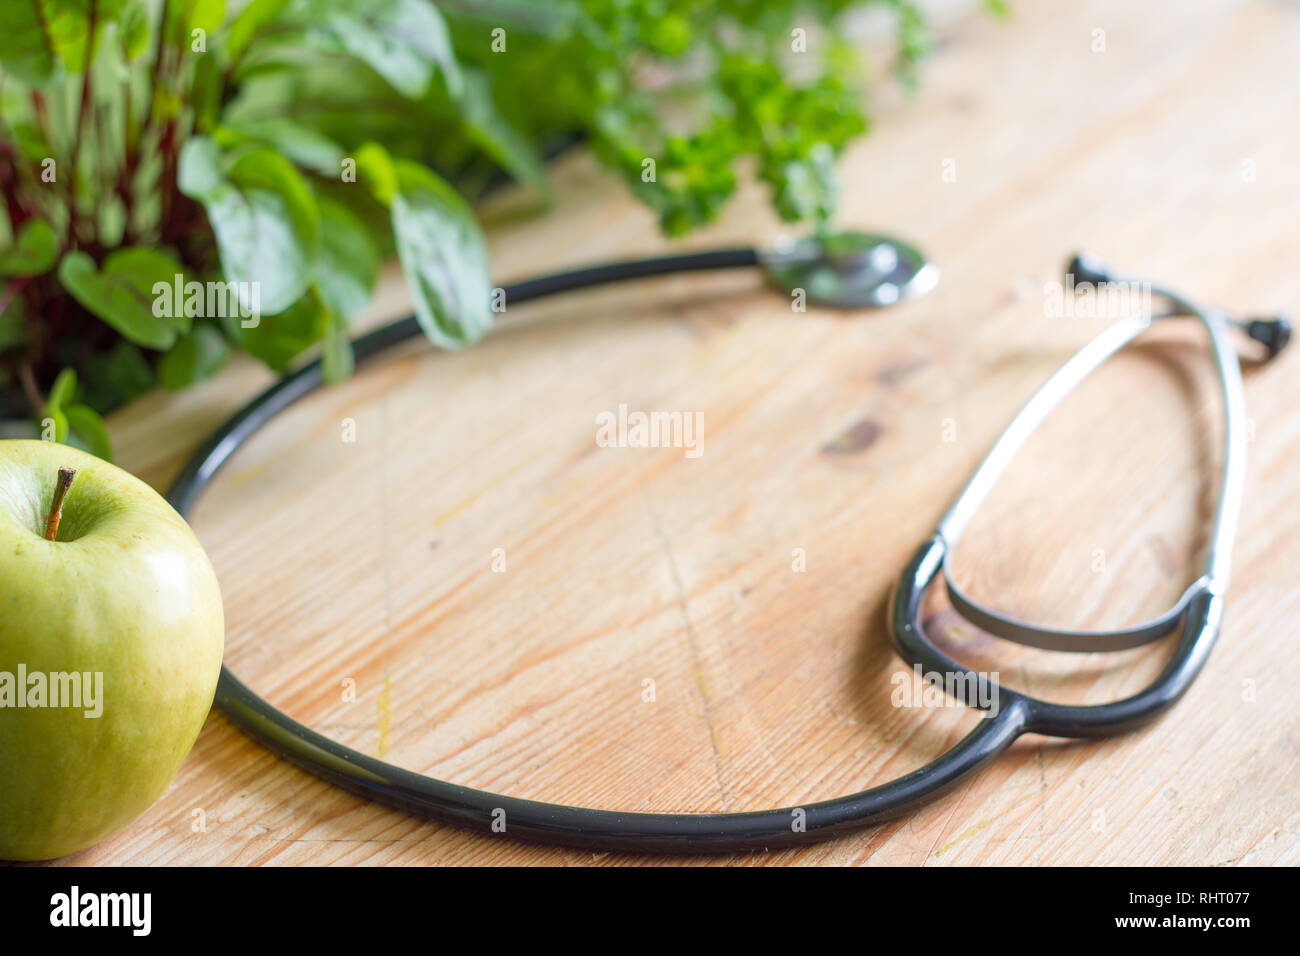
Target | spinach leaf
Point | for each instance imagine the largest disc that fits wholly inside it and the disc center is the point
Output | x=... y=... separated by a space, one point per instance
x=197 y=356
x=34 y=251
x=264 y=218
x=404 y=41
x=348 y=263
x=124 y=293
x=439 y=245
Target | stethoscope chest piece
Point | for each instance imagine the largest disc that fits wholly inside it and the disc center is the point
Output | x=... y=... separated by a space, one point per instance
x=850 y=270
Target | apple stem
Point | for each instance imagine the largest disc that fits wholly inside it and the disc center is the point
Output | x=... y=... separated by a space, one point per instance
x=56 y=505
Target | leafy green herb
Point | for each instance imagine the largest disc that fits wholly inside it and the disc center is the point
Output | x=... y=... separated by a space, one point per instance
x=348 y=262
x=279 y=339
x=187 y=178
x=336 y=359
x=122 y=293
x=75 y=423
x=442 y=254
x=264 y=218
x=35 y=250
x=197 y=356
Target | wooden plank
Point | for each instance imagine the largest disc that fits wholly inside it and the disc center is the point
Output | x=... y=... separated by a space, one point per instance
x=1172 y=152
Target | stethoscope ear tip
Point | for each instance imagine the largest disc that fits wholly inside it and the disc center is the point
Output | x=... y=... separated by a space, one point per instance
x=1083 y=267
x=1274 y=334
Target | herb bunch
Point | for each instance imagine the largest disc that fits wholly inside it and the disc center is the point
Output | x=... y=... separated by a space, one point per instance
x=289 y=146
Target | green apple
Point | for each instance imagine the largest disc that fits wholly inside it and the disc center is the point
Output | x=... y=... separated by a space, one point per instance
x=111 y=633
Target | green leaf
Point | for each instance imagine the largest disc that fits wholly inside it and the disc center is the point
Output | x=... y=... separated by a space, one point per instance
x=116 y=376
x=807 y=189
x=13 y=324
x=404 y=41
x=348 y=263
x=496 y=137
x=125 y=293
x=443 y=257
x=198 y=172
x=376 y=171
x=31 y=140
x=263 y=216
x=35 y=251
x=337 y=360
x=26 y=49
x=67 y=27
x=60 y=419
x=112 y=221
x=278 y=339
x=206 y=92
x=61 y=394
x=303 y=145
x=133 y=30
x=63 y=389
x=84 y=422
x=186 y=16
x=197 y=356
x=251 y=19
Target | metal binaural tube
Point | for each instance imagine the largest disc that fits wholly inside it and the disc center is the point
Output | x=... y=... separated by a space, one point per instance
x=1218 y=559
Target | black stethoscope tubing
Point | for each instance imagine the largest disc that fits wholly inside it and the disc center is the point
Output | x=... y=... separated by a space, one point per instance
x=596 y=829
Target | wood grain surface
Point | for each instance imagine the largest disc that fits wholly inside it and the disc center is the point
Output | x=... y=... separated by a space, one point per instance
x=839 y=437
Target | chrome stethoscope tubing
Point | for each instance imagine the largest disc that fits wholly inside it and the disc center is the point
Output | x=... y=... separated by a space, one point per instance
x=888 y=279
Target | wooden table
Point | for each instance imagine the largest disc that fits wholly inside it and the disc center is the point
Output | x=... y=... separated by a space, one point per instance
x=370 y=564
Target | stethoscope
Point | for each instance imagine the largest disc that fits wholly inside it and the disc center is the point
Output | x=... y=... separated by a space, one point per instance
x=843 y=271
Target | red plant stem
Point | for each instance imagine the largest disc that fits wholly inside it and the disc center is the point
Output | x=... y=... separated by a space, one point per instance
x=33 y=393
x=42 y=116
x=166 y=181
x=80 y=130
x=9 y=175
x=146 y=119
x=47 y=130
x=12 y=291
